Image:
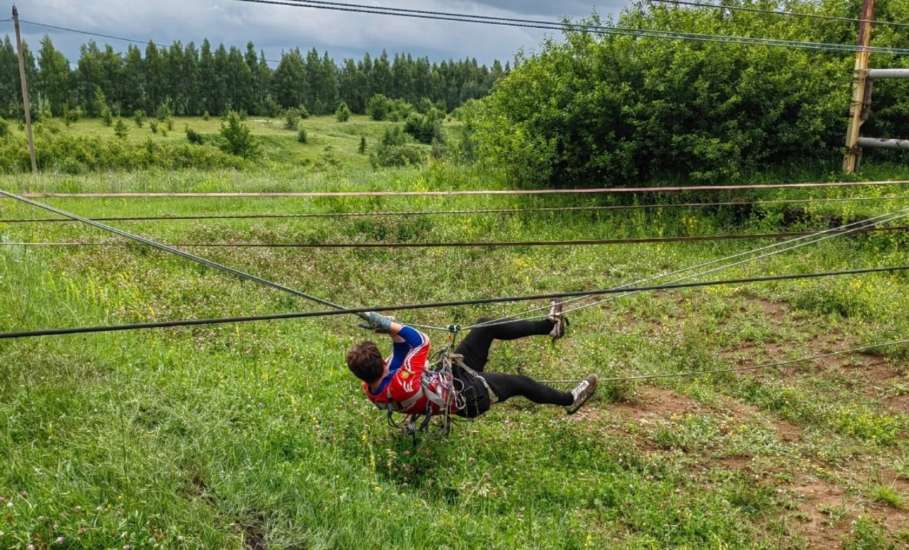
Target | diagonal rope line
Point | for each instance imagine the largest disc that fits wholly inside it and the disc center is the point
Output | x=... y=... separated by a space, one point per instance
x=453 y=303
x=175 y=251
x=765 y=366
x=776 y=248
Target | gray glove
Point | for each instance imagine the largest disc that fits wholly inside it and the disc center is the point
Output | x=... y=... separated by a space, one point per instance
x=377 y=322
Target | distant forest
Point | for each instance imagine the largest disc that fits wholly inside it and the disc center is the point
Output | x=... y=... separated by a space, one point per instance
x=193 y=80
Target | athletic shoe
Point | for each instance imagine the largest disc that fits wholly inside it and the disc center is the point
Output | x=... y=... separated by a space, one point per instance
x=582 y=392
x=560 y=322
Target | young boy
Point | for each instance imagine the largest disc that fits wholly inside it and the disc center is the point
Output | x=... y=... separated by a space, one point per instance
x=403 y=383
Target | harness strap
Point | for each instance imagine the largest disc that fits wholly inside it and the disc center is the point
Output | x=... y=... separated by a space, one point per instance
x=459 y=361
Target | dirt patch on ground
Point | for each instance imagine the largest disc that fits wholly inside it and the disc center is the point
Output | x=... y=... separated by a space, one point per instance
x=652 y=403
x=253 y=529
x=824 y=513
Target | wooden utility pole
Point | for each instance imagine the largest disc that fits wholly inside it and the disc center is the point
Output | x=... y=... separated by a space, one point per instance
x=26 y=104
x=859 y=89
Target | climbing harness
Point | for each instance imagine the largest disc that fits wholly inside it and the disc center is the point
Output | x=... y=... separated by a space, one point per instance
x=444 y=391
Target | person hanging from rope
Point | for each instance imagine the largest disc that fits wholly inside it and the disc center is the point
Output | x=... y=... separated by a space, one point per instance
x=403 y=382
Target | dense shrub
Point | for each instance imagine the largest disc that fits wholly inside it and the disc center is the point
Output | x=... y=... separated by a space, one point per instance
x=120 y=129
x=236 y=137
x=4 y=128
x=153 y=126
x=107 y=117
x=72 y=154
x=302 y=136
x=342 y=114
x=362 y=148
x=394 y=150
x=380 y=107
x=72 y=115
x=139 y=117
x=620 y=108
x=291 y=119
x=194 y=137
x=425 y=128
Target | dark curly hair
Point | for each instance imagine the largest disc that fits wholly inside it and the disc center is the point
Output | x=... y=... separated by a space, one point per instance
x=365 y=362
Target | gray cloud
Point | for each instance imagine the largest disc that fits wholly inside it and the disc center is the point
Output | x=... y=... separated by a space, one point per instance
x=277 y=28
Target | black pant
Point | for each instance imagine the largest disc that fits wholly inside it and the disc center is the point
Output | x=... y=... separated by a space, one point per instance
x=475 y=349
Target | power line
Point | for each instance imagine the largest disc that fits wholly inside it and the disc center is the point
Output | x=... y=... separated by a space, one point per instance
x=471 y=192
x=464 y=212
x=467 y=244
x=105 y=36
x=583 y=27
x=452 y=303
x=783 y=12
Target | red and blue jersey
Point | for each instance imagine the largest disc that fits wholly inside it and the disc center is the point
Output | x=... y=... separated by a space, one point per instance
x=408 y=387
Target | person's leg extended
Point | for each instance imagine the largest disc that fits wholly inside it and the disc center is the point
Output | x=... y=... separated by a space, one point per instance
x=507 y=386
x=475 y=346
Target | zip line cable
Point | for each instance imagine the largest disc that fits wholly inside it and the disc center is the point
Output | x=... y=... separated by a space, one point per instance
x=171 y=250
x=468 y=192
x=452 y=303
x=465 y=244
x=466 y=212
x=786 y=247
x=723 y=263
x=764 y=366
x=583 y=27
x=784 y=13
x=102 y=35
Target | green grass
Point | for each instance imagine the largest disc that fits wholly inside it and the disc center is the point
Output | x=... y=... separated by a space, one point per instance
x=226 y=435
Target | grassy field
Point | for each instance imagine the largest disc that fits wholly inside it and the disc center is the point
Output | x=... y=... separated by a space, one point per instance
x=255 y=435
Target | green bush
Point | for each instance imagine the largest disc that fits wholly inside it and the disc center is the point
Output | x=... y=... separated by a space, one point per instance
x=78 y=154
x=237 y=139
x=394 y=150
x=621 y=108
x=153 y=126
x=302 y=136
x=362 y=148
x=206 y=116
x=4 y=128
x=291 y=119
x=107 y=117
x=71 y=115
x=194 y=137
x=139 y=117
x=377 y=107
x=425 y=128
x=342 y=114
x=120 y=129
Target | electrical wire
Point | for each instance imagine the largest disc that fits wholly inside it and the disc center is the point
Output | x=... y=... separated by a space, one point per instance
x=467 y=244
x=471 y=192
x=590 y=28
x=105 y=36
x=784 y=13
x=465 y=212
x=451 y=303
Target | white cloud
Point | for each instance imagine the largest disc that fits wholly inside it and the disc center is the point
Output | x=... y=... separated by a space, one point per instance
x=276 y=28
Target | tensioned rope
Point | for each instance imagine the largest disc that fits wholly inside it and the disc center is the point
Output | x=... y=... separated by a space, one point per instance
x=171 y=250
x=452 y=303
x=466 y=192
x=764 y=366
x=465 y=244
x=454 y=212
x=582 y=27
x=724 y=262
x=783 y=13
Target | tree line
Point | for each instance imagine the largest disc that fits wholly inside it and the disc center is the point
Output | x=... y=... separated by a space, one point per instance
x=192 y=81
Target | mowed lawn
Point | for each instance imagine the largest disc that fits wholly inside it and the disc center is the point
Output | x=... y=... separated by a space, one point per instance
x=254 y=435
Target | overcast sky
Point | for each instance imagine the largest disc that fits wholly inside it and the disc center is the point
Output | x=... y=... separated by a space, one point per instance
x=276 y=28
